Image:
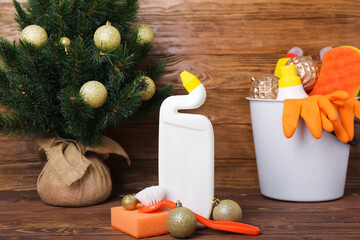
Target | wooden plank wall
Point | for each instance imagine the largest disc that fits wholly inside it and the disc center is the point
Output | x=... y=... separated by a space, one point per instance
x=224 y=43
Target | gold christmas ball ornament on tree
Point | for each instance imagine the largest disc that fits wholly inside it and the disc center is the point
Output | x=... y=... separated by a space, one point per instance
x=94 y=93
x=181 y=222
x=64 y=41
x=107 y=38
x=145 y=33
x=35 y=35
x=149 y=90
x=227 y=210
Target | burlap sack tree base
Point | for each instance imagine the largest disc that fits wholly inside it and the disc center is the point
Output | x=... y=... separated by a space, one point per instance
x=75 y=175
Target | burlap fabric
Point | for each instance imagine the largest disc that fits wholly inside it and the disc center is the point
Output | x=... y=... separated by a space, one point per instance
x=74 y=175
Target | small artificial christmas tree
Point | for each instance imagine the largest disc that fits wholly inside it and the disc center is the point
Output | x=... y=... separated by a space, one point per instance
x=77 y=69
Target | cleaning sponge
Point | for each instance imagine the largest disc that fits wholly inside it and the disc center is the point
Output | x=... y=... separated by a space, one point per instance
x=340 y=71
x=139 y=225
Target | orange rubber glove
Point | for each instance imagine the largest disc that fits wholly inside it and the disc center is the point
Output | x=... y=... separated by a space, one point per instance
x=338 y=98
x=347 y=110
x=317 y=112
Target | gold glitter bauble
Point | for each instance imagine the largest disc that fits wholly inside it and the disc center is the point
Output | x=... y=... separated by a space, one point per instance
x=149 y=90
x=107 y=38
x=145 y=33
x=129 y=202
x=227 y=210
x=181 y=222
x=35 y=35
x=307 y=70
x=264 y=87
x=94 y=93
x=65 y=41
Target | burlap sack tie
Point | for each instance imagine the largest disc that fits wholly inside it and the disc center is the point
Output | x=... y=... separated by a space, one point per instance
x=69 y=162
x=68 y=157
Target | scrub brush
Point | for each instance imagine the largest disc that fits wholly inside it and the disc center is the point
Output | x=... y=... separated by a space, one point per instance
x=152 y=199
x=151 y=195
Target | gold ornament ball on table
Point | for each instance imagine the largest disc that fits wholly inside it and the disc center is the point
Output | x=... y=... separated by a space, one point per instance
x=227 y=210
x=145 y=33
x=129 y=202
x=181 y=222
x=107 y=38
x=94 y=93
x=307 y=70
x=35 y=35
x=264 y=87
x=149 y=90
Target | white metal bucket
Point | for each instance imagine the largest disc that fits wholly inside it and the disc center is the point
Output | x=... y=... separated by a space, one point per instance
x=301 y=168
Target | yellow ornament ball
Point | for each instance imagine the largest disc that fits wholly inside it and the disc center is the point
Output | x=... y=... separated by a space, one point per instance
x=107 y=38
x=65 y=41
x=145 y=33
x=35 y=35
x=94 y=93
x=149 y=90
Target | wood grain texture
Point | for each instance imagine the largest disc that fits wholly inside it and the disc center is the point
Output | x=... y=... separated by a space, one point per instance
x=231 y=141
x=23 y=216
x=224 y=43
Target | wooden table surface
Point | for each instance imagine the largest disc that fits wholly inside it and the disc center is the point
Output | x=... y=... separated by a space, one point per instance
x=24 y=216
x=224 y=43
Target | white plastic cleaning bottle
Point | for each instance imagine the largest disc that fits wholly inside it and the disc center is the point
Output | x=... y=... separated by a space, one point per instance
x=289 y=85
x=186 y=149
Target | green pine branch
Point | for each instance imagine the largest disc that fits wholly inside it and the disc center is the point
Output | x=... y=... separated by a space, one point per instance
x=40 y=86
x=77 y=67
x=125 y=15
x=156 y=69
x=38 y=12
x=77 y=115
x=21 y=16
x=123 y=103
x=159 y=96
x=13 y=124
x=4 y=82
x=8 y=55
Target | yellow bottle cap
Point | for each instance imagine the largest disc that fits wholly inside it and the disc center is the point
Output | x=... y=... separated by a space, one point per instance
x=289 y=77
x=189 y=80
x=281 y=62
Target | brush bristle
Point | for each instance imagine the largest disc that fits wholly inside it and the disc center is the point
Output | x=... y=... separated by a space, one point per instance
x=151 y=195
